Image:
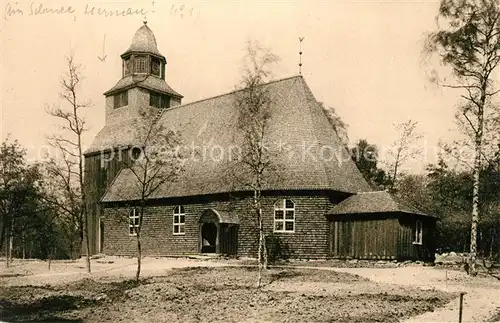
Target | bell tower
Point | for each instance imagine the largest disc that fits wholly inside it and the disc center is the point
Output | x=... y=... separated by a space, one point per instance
x=143 y=81
x=141 y=88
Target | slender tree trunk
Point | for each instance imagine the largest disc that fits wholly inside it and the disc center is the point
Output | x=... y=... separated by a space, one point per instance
x=475 y=191
x=395 y=173
x=263 y=240
x=492 y=243
x=11 y=240
x=3 y=236
x=259 y=257
x=6 y=252
x=23 y=246
x=87 y=242
x=475 y=216
x=138 y=233
x=139 y=256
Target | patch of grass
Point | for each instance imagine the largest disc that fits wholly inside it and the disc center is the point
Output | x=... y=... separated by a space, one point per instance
x=224 y=294
x=43 y=308
x=25 y=303
x=284 y=274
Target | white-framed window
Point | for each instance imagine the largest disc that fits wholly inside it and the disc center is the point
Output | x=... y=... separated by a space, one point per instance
x=179 y=220
x=133 y=222
x=284 y=216
x=418 y=232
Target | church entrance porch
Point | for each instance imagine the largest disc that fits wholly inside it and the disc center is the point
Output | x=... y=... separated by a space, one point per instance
x=218 y=232
x=208 y=237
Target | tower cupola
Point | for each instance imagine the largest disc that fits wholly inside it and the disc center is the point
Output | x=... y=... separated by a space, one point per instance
x=143 y=81
x=143 y=56
x=144 y=41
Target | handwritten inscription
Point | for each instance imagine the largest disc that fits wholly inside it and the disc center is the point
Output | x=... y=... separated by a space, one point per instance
x=35 y=9
x=15 y=9
x=26 y=9
x=97 y=11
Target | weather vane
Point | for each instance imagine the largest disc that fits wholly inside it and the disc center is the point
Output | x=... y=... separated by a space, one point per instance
x=300 y=54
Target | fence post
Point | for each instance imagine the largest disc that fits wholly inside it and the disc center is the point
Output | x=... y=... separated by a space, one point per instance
x=460 y=307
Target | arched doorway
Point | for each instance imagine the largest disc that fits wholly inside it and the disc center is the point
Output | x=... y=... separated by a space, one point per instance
x=218 y=232
x=208 y=237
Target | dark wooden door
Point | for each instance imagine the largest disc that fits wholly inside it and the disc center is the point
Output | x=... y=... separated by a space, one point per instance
x=228 y=239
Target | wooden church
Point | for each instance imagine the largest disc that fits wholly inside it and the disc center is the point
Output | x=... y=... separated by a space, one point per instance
x=318 y=207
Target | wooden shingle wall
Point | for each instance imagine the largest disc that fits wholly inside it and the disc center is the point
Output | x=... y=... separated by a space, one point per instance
x=99 y=170
x=310 y=239
x=363 y=238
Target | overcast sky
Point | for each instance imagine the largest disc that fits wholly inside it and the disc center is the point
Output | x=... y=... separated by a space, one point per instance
x=361 y=57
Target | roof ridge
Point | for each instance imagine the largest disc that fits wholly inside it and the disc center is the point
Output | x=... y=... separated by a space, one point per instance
x=229 y=93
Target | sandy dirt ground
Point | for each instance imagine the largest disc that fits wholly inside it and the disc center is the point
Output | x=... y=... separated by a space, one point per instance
x=36 y=272
x=481 y=301
x=412 y=293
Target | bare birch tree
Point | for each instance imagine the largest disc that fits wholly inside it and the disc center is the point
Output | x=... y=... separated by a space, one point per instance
x=159 y=164
x=68 y=167
x=255 y=163
x=467 y=42
x=403 y=148
x=338 y=125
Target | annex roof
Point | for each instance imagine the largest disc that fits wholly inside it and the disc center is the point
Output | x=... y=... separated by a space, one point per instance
x=373 y=202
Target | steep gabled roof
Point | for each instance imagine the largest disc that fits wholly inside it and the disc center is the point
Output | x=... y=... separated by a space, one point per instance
x=373 y=202
x=309 y=155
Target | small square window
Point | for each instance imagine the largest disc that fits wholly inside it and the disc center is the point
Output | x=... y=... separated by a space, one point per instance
x=160 y=101
x=278 y=226
x=127 y=64
x=140 y=64
x=288 y=226
x=289 y=215
x=120 y=99
x=418 y=232
x=278 y=215
x=155 y=66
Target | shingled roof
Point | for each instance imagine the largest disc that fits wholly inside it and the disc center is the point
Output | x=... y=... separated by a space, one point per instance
x=116 y=135
x=309 y=155
x=373 y=202
x=144 y=41
x=147 y=82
